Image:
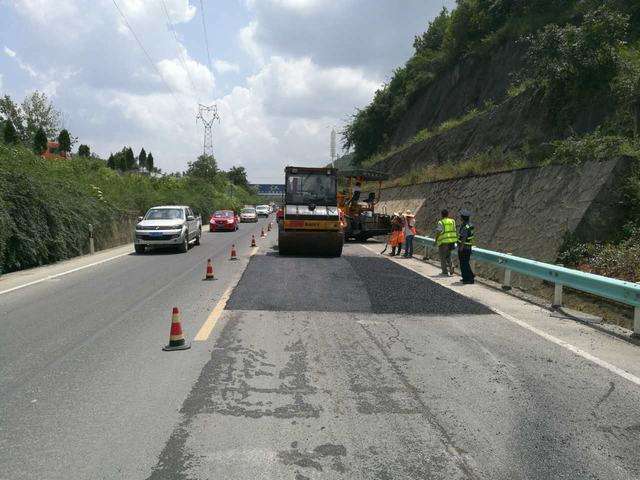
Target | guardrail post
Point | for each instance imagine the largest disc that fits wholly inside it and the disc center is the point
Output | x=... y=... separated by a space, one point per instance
x=426 y=253
x=92 y=247
x=636 y=322
x=557 y=295
x=506 y=283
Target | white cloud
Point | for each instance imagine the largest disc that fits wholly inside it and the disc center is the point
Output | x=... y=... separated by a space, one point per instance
x=175 y=74
x=47 y=12
x=301 y=89
x=247 y=40
x=300 y=66
x=180 y=11
x=222 y=66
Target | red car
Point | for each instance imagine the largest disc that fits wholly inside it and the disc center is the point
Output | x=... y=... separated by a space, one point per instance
x=225 y=220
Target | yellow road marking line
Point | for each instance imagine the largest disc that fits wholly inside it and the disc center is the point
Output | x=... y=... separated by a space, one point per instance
x=210 y=322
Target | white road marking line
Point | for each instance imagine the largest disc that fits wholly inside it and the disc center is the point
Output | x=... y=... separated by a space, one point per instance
x=572 y=348
x=586 y=355
x=61 y=274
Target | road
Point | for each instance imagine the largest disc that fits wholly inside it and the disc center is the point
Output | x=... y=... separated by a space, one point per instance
x=352 y=368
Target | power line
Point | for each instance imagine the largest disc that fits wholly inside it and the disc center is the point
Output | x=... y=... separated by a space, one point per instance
x=206 y=36
x=155 y=67
x=180 y=53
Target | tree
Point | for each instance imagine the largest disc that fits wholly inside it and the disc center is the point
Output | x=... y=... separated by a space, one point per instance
x=84 y=151
x=37 y=112
x=9 y=110
x=111 y=161
x=129 y=159
x=434 y=36
x=205 y=168
x=40 y=141
x=64 y=139
x=150 y=166
x=9 y=133
x=142 y=159
x=238 y=176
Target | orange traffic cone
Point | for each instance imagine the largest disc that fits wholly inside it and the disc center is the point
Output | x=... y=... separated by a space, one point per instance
x=269 y=227
x=262 y=235
x=233 y=252
x=176 y=337
x=253 y=241
x=209 y=274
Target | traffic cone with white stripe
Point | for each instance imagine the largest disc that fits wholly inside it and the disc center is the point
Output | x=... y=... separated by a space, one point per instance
x=269 y=227
x=234 y=256
x=209 y=274
x=262 y=235
x=253 y=241
x=176 y=336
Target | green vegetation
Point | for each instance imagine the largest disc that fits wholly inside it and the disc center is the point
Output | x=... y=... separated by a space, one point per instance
x=84 y=151
x=426 y=134
x=579 y=52
x=46 y=206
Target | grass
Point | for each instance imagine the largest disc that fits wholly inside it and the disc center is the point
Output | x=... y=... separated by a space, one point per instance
x=492 y=161
x=426 y=134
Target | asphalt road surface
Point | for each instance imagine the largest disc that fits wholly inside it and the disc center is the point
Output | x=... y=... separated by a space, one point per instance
x=319 y=368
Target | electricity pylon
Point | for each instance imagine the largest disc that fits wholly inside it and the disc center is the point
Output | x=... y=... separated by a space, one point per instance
x=207 y=115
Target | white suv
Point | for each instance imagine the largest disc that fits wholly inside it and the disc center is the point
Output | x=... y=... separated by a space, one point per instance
x=168 y=225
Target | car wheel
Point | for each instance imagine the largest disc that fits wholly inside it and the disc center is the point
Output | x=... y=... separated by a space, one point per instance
x=184 y=246
x=139 y=249
x=197 y=242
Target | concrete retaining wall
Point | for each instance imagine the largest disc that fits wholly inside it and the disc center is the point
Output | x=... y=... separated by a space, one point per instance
x=526 y=212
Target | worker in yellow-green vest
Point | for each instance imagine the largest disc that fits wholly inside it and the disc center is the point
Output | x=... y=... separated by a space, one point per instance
x=446 y=238
x=466 y=241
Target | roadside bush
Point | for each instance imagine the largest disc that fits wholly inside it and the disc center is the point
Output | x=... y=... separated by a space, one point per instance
x=46 y=206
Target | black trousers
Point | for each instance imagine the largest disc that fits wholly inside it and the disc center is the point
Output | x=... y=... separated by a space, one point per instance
x=464 y=256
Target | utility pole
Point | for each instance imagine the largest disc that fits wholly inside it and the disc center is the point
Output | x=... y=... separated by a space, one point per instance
x=332 y=147
x=207 y=115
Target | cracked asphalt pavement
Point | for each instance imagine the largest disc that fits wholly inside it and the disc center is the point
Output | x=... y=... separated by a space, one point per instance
x=358 y=368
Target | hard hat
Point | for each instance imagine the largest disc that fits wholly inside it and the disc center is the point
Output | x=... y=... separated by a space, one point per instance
x=465 y=213
x=408 y=213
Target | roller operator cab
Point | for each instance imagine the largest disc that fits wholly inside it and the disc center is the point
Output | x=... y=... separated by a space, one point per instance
x=310 y=222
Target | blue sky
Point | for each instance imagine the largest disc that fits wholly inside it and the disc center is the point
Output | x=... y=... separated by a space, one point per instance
x=282 y=71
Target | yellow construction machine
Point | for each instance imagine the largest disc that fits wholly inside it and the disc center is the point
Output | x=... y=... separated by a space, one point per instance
x=361 y=221
x=310 y=221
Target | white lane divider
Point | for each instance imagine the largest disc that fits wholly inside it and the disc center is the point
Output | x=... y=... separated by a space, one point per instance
x=572 y=348
x=61 y=274
x=578 y=351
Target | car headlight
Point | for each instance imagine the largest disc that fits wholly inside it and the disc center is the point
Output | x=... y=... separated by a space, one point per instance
x=175 y=227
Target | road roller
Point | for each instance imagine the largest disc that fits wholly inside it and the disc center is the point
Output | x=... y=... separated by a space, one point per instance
x=311 y=222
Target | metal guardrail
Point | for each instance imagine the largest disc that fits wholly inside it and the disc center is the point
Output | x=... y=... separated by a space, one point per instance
x=611 y=288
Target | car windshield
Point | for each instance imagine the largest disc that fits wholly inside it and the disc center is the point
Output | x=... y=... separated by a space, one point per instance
x=165 y=214
x=248 y=210
x=223 y=213
x=307 y=188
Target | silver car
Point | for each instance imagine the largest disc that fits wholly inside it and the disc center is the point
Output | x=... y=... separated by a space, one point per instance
x=168 y=226
x=248 y=214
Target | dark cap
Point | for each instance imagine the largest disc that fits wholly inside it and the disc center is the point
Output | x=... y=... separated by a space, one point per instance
x=465 y=213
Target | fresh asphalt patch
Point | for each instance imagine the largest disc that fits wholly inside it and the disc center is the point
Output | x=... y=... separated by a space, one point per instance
x=351 y=283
